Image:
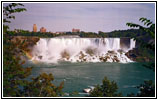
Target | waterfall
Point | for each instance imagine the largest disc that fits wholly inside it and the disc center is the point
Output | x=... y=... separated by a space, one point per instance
x=132 y=43
x=52 y=50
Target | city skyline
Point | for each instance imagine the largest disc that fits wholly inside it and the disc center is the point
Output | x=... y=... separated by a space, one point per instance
x=89 y=17
x=43 y=29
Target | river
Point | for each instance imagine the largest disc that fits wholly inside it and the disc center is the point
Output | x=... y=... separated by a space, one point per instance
x=78 y=76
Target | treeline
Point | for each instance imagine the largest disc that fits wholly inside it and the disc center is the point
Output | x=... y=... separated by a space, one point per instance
x=116 y=33
x=27 y=33
x=126 y=33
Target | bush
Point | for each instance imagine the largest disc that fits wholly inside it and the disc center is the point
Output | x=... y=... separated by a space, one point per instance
x=107 y=89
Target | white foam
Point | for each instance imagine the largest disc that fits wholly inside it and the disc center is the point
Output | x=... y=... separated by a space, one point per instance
x=50 y=50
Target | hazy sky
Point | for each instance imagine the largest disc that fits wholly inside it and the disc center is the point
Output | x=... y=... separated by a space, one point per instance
x=89 y=17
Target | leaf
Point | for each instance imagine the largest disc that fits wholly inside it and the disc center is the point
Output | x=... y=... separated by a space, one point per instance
x=142 y=19
x=146 y=22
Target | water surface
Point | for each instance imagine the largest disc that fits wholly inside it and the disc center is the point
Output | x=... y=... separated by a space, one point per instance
x=78 y=76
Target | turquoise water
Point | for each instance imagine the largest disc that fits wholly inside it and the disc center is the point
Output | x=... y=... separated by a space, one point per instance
x=78 y=76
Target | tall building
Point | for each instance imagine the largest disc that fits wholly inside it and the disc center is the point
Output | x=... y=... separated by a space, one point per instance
x=34 y=28
x=75 y=30
x=42 y=30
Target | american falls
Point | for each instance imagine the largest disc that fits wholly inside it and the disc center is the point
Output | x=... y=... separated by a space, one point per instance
x=53 y=50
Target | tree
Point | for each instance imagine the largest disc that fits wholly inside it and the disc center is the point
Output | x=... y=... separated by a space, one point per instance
x=42 y=86
x=14 y=74
x=148 y=88
x=107 y=89
x=149 y=29
x=145 y=90
x=146 y=41
x=8 y=12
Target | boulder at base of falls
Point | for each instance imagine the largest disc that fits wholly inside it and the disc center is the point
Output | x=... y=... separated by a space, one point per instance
x=82 y=55
x=40 y=57
x=65 y=54
x=115 y=59
x=111 y=52
x=104 y=58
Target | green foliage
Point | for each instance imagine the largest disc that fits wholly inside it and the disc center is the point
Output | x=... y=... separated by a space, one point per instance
x=11 y=9
x=14 y=74
x=14 y=83
x=148 y=88
x=125 y=33
x=149 y=29
x=145 y=90
x=88 y=34
x=37 y=34
x=5 y=28
x=102 y=34
x=116 y=33
x=107 y=89
x=146 y=41
x=42 y=86
x=8 y=12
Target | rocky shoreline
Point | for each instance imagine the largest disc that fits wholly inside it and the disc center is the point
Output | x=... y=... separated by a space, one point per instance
x=137 y=56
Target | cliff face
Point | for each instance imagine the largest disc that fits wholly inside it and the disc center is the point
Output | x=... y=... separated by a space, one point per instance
x=140 y=56
x=25 y=45
x=29 y=41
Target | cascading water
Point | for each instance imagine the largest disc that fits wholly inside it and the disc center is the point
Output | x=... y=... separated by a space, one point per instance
x=52 y=50
x=132 y=43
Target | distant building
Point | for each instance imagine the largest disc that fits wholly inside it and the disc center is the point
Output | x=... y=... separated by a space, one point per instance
x=42 y=30
x=34 y=28
x=75 y=30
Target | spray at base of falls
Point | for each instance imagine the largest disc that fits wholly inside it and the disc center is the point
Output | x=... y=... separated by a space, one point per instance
x=52 y=50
